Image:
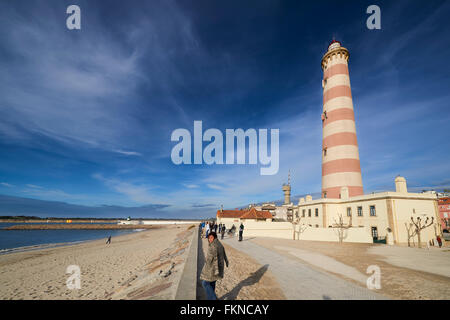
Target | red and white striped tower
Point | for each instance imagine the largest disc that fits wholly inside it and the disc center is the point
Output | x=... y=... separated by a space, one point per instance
x=340 y=155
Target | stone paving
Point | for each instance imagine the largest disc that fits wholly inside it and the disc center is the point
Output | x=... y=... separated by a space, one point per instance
x=300 y=281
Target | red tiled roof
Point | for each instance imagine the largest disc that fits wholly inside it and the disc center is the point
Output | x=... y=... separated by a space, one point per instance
x=254 y=214
x=229 y=213
x=244 y=214
x=443 y=200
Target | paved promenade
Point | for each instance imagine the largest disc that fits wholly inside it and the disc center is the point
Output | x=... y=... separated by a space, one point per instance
x=298 y=280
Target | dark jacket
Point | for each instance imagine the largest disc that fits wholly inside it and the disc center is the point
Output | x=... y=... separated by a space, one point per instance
x=214 y=264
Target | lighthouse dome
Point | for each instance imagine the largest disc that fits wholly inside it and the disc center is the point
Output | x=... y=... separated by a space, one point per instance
x=334 y=44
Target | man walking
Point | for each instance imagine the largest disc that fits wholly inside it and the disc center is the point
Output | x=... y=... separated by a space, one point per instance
x=109 y=240
x=222 y=231
x=214 y=266
x=241 y=231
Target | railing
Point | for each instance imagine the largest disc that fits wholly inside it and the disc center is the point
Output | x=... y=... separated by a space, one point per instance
x=379 y=240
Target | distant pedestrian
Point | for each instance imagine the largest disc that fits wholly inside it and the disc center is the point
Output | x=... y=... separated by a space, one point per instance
x=207 y=230
x=109 y=240
x=202 y=229
x=241 y=231
x=214 y=266
x=222 y=232
x=215 y=228
x=439 y=241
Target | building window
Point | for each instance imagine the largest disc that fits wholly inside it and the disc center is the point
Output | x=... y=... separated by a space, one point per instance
x=317 y=212
x=324 y=195
x=317 y=225
x=360 y=214
x=374 y=233
x=296 y=214
x=309 y=212
x=373 y=213
x=303 y=213
x=349 y=212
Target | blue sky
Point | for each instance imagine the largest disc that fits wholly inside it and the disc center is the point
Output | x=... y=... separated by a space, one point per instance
x=86 y=115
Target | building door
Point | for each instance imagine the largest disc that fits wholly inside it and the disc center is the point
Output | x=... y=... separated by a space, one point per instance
x=374 y=233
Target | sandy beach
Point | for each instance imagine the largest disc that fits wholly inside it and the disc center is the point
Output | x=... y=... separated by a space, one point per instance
x=141 y=265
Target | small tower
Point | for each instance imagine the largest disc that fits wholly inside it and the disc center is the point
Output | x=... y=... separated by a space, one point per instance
x=287 y=190
x=400 y=185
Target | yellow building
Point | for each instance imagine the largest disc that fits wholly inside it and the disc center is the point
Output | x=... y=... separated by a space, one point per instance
x=385 y=214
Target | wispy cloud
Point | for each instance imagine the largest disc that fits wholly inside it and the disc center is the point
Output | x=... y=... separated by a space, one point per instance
x=128 y=153
x=203 y=205
x=191 y=186
x=137 y=193
x=5 y=184
x=34 y=186
x=215 y=186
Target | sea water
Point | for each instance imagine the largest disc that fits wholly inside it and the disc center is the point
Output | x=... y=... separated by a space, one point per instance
x=24 y=239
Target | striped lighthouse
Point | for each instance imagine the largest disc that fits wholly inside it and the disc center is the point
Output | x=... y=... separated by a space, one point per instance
x=341 y=170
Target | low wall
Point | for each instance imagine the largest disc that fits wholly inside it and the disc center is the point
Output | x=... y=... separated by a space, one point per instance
x=282 y=230
x=187 y=287
x=285 y=230
x=359 y=235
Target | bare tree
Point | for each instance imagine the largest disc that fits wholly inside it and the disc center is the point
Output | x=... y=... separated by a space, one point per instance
x=342 y=228
x=301 y=228
x=411 y=233
x=419 y=227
